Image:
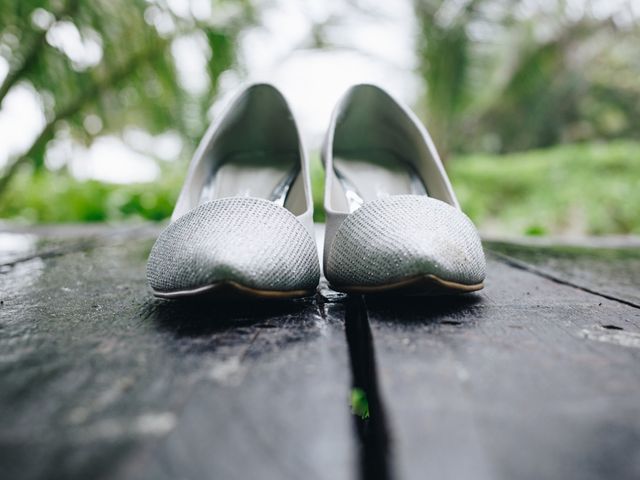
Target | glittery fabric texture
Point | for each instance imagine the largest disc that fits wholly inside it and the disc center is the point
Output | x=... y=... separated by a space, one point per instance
x=251 y=241
x=401 y=236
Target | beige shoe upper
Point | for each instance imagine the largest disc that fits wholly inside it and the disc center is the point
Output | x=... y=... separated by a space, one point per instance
x=244 y=215
x=391 y=211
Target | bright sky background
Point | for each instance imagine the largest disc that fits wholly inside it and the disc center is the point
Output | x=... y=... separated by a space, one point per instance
x=372 y=44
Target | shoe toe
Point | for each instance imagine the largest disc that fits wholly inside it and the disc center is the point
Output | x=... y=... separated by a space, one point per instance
x=249 y=241
x=399 y=237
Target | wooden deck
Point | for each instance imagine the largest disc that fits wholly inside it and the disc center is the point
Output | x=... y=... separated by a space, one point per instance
x=536 y=377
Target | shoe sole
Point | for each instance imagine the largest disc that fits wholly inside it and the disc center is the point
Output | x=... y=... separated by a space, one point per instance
x=231 y=290
x=417 y=285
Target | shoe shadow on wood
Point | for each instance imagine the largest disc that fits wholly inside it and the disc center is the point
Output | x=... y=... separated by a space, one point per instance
x=446 y=310
x=197 y=317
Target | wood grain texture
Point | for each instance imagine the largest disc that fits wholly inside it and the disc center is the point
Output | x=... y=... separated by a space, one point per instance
x=525 y=380
x=100 y=380
x=535 y=377
x=610 y=272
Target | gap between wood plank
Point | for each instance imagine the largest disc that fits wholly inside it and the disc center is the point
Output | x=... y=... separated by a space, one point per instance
x=373 y=431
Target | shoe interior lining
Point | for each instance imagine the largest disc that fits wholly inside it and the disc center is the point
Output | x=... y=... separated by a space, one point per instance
x=250 y=175
x=254 y=153
x=370 y=175
x=378 y=149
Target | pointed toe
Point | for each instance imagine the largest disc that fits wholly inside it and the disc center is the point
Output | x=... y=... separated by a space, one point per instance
x=251 y=243
x=401 y=237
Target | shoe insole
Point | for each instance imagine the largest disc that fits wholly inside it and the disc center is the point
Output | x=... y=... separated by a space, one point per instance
x=267 y=176
x=375 y=174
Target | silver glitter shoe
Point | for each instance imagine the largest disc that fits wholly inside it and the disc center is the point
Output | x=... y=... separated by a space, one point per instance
x=393 y=221
x=243 y=222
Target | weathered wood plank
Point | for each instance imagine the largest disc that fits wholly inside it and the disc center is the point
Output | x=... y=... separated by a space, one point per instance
x=99 y=380
x=531 y=378
x=611 y=272
x=277 y=410
x=521 y=381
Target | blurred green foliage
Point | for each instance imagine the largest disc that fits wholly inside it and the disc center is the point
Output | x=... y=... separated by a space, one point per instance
x=504 y=75
x=132 y=79
x=52 y=198
x=500 y=77
x=591 y=187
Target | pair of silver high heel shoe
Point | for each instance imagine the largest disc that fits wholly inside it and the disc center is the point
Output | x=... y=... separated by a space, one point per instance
x=243 y=223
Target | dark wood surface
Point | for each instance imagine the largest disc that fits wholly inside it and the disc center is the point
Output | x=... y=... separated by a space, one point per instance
x=100 y=380
x=535 y=377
